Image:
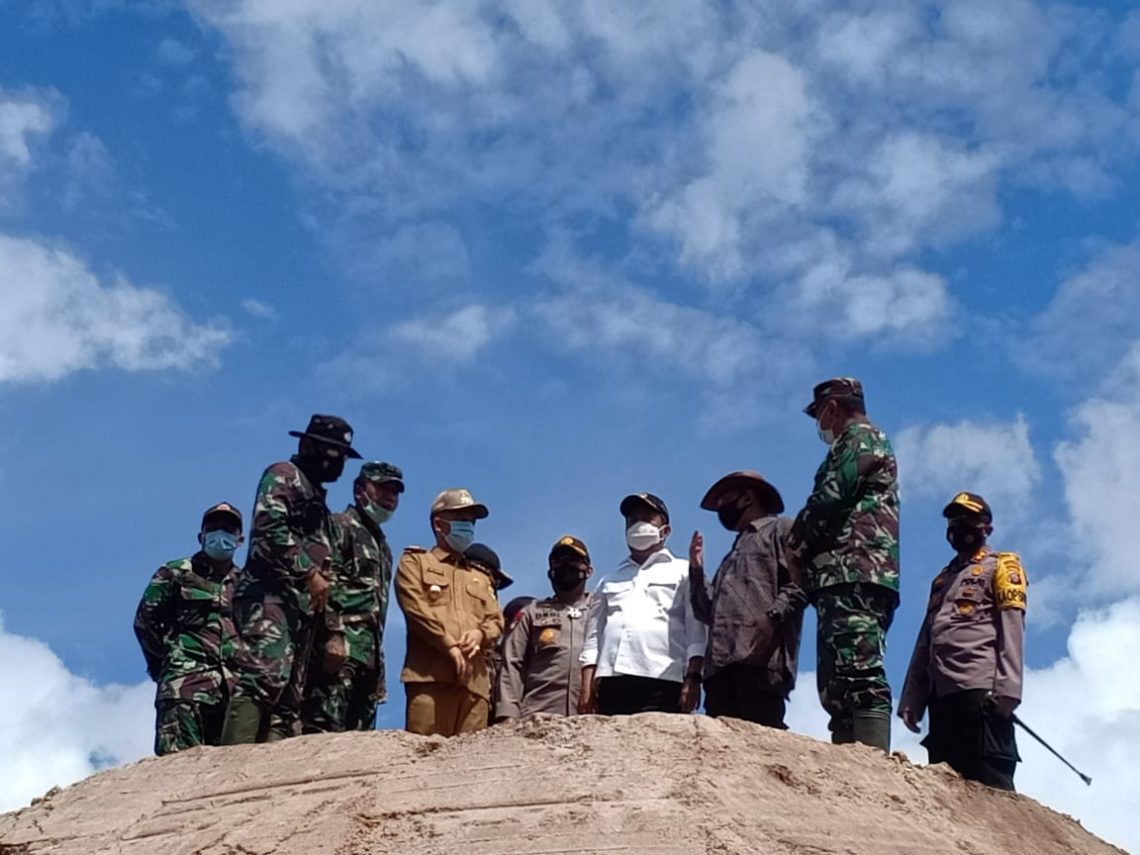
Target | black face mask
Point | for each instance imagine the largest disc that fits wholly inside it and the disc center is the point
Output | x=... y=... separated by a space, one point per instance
x=965 y=538
x=320 y=468
x=566 y=577
x=729 y=516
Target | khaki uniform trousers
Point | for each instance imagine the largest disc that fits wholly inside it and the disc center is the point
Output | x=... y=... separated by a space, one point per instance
x=445 y=709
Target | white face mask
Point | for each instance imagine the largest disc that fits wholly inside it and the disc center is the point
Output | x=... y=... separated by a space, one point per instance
x=642 y=536
x=828 y=436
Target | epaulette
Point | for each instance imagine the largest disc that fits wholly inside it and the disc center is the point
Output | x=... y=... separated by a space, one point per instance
x=414 y=549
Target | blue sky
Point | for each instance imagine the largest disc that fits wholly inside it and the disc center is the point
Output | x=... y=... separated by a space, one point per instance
x=557 y=256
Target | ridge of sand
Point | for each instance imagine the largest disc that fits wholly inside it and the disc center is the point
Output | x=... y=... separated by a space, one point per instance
x=655 y=784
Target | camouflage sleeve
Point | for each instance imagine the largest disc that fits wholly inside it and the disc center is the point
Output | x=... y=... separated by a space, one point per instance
x=833 y=496
x=153 y=618
x=511 y=683
x=790 y=597
x=273 y=544
x=382 y=592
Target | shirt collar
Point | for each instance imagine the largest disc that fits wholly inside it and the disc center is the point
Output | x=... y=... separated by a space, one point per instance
x=661 y=555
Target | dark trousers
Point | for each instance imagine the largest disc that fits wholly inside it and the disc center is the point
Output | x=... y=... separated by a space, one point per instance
x=742 y=691
x=976 y=742
x=626 y=695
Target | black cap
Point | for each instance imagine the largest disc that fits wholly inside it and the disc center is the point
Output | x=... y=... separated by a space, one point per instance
x=331 y=430
x=485 y=556
x=968 y=505
x=571 y=545
x=222 y=510
x=645 y=500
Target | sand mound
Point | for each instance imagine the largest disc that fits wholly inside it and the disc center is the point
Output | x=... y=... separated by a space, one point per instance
x=648 y=784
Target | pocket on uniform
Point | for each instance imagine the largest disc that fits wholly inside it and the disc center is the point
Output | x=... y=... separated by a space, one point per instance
x=857 y=652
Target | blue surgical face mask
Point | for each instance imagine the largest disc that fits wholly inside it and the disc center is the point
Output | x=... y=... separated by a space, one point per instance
x=220 y=544
x=461 y=535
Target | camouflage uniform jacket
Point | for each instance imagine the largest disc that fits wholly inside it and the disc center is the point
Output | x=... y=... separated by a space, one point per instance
x=360 y=586
x=184 y=625
x=972 y=635
x=849 y=527
x=291 y=534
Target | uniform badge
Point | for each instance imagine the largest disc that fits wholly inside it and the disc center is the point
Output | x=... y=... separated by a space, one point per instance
x=965 y=608
x=1014 y=578
x=547 y=636
x=976 y=569
x=573 y=613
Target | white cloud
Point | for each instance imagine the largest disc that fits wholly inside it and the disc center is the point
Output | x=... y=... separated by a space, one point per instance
x=1101 y=468
x=58 y=318
x=259 y=309
x=772 y=148
x=25 y=118
x=1097 y=307
x=56 y=727
x=174 y=53
x=992 y=458
x=455 y=337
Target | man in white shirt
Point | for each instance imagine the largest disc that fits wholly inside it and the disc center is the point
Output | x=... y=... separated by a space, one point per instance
x=644 y=647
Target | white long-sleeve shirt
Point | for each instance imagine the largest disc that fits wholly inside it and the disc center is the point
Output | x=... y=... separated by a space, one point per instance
x=641 y=623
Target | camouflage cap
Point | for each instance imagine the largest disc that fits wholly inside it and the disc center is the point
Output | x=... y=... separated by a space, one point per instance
x=842 y=388
x=331 y=430
x=379 y=473
x=645 y=500
x=968 y=504
x=744 y=479
x=222 y=509
x=484 y=556
x=571 y=544
x=458 y=499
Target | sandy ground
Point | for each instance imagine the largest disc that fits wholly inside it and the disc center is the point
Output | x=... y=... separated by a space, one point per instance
x=653 y=783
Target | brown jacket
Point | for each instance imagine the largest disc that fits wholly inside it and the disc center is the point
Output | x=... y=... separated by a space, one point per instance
x=972 y=635
x=442 y=598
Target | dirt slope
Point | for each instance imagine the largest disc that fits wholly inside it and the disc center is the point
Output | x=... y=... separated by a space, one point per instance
x=650 y=784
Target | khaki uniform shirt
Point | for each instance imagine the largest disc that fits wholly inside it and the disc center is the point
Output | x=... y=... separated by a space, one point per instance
x=442 y=598
x=540 y=670
x=973 y=632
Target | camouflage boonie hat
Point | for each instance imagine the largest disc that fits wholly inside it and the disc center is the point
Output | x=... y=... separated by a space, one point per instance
x=380 y=473
x=331 y=430
x=571 y=544
x=458 y=499
x=222 y=509
x=647 y=500
x=744 y=479
x=968 y=504
x=842 y=388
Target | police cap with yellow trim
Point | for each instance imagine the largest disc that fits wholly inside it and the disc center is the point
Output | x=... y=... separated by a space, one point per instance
x=568 y=544
x=968 y=504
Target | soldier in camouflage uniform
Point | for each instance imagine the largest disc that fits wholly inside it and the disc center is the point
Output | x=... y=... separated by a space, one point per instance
x=343 y=690
x=280 y=596
x=184 y=625
x=846 y=544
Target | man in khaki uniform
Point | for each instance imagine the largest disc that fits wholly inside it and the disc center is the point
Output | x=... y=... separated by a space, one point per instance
x=967 y=663
x=453 y=618
x=540 y=671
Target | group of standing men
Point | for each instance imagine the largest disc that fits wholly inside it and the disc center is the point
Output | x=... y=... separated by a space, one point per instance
x=292 y=642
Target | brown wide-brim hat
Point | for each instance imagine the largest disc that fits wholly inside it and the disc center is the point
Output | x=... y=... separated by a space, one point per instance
x=744 y=479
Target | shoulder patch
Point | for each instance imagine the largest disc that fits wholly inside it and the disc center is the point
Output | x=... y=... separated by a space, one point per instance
x=414 y=549
x=1010 y=582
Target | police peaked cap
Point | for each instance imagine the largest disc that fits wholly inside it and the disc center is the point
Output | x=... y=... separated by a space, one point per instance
x=968 y=504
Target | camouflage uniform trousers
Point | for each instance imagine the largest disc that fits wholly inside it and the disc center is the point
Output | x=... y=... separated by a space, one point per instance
x=345 y=700
x=272 y=656
x=851 y=648
x=182 y=724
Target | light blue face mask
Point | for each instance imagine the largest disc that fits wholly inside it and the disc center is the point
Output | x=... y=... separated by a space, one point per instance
x=219 y=544
x=376 y=513
x=461 y=536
